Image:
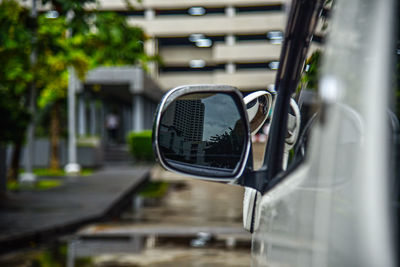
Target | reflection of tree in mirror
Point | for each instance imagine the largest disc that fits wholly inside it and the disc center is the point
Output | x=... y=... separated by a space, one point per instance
x=224 y=150
x=195 y=130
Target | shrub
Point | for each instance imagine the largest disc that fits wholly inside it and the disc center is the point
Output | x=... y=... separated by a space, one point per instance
x=155 y=189
x=140 y=145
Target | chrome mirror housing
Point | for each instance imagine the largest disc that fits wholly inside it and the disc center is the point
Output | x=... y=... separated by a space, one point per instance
x=258 y=105
x=203 y=131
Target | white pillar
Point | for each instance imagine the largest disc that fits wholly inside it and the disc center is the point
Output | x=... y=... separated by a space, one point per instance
x=72 y=167
x=149 y=14
x=137 y=112
x=230 y=68
x=230 y=11
x=230 y=40
x=92 y=117
x=81 y=116
x=28 y=175
x=151 y=48
x=102 y=121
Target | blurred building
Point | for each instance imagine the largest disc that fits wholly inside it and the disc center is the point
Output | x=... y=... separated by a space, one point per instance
x=233 y=42
x=127 y=92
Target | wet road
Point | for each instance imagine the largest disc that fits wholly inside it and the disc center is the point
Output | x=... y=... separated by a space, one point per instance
x=169 y=228
x=196 y=223
x=194 y=202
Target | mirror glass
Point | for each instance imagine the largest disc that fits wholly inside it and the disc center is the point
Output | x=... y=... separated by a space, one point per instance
x=203 y=130
x=258 y=110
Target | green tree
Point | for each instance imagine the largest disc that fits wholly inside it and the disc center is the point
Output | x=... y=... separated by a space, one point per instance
x=56 y=53
x=114 y=42
x=15 y=75
x=98 y=39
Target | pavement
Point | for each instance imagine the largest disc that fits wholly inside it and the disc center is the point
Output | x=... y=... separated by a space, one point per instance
x=29 y=217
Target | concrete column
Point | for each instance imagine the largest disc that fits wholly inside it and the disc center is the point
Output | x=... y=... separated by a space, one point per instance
x=149 y=14
x=93 y=121
x=230 y=39
x=81 y=116
x=28 y=175
x=130 y=119
x=3 y=169
x=137 y=113
x=102 y=121
x=230 y=11
x=230 y=68
x=151 y=48
x=72 y=167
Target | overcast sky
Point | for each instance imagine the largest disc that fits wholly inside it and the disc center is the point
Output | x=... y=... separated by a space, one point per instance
x=220 y=114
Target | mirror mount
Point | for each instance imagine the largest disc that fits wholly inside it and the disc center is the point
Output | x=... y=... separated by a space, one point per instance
x=251 y=178
x=254 y=179
x=203 y=131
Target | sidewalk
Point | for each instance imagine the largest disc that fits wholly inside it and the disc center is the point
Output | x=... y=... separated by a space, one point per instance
x=33 y=216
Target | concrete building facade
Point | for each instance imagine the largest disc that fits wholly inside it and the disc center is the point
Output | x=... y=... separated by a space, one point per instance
x=233 y=42
x=128 y=92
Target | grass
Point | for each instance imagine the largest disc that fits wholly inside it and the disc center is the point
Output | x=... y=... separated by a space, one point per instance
x=54 y=255
x=44 y=184
x=58 y=173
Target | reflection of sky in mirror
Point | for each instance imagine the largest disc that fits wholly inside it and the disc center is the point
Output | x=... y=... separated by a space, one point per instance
x=220 y=114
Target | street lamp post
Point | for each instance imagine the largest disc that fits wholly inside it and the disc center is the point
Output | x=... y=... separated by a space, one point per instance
x=28 y=175
x=72 y=167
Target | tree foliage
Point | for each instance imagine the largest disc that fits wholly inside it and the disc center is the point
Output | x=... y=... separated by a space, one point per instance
x=79 y=21
x=114 y=42
x=310 y=77
x=95 y=39
x=15 y=74
x=103 y=39
x=55 y=53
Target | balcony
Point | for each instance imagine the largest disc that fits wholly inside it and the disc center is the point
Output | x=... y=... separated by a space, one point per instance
x=120 y=4
x=211 y=25
x=183 y=55
x=245 y=80
x=246 y=52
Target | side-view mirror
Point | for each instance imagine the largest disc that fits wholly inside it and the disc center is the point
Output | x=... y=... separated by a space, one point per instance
x=258 y=105
x=203 y=130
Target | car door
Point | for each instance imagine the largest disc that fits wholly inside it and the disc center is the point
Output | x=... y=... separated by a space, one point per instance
x=332 y=205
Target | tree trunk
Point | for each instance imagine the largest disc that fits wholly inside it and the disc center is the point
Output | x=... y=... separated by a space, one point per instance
x=13 y=172
x=3 y=168
x=54 y=137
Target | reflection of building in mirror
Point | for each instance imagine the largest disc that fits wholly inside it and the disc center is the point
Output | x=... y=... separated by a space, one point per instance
x=195 y=130
x=187 y=118
x=181 y=131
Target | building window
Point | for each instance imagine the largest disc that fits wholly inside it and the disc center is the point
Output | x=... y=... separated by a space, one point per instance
x=252 y=9
x=271 y=65
x=192 y=40
x=131 y=13
x=188 y=68
x=192 y=11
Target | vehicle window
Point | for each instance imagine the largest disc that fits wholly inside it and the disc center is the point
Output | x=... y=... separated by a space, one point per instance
x=307 y=98
x=396 y=138
x=305 y=107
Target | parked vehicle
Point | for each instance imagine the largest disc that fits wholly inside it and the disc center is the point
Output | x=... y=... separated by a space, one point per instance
x=327 y=192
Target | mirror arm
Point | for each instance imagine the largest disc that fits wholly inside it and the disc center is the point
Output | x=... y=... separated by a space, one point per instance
x=254 y=179
x=251 y=178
